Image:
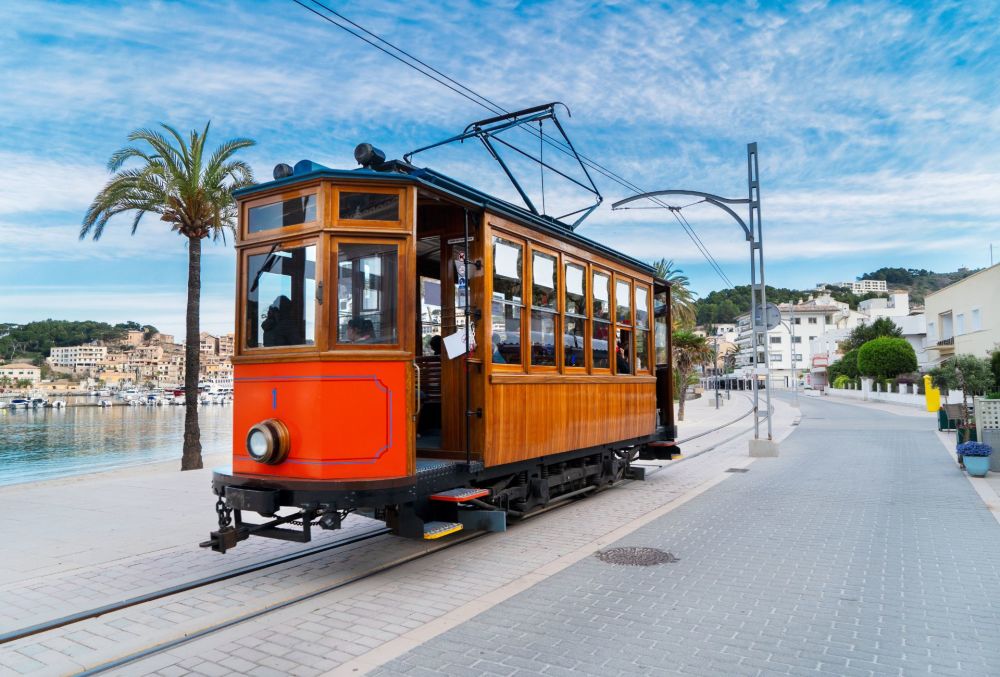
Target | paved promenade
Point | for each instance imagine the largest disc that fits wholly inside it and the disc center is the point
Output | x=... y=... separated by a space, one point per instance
x=862 y=550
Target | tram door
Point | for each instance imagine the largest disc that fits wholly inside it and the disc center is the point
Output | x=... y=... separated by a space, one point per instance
x=442 y=302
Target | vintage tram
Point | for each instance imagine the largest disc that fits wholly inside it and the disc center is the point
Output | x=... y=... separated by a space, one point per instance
x=542 y=382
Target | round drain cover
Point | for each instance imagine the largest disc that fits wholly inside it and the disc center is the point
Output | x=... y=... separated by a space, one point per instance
x=636 y=557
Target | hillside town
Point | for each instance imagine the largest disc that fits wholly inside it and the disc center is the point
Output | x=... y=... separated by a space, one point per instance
x=136 y=360
x=812 y=331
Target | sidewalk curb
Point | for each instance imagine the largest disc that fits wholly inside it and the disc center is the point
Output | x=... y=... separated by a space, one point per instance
x=980 y=484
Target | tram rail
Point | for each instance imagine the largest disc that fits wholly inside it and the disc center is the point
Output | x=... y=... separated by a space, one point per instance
x=112 y=607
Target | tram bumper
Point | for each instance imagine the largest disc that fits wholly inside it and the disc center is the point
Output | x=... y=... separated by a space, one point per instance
x=324 y=502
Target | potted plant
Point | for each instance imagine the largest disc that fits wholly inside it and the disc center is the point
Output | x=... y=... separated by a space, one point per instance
x=976 y=457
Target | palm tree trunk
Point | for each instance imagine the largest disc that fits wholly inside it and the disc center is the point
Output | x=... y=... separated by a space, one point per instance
x=191 y=458
x=683 y=397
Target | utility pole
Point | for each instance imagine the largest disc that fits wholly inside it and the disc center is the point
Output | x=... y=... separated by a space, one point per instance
x=795 y=377
x=753 y=230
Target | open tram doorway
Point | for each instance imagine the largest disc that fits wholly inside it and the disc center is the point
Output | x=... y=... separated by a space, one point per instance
x=441 y=303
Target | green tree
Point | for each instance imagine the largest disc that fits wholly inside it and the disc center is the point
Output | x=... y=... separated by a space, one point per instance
x=886 y=357
x=864 y=333
x=845 y=366
x=690 y=350
x=682 y=303
x=968 y=373
x=192 y=191
x=995 y=367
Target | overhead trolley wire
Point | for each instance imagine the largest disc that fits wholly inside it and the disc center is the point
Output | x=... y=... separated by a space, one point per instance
x=475 y=97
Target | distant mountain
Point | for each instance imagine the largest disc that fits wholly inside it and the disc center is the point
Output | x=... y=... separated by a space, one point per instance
x=726 y=305
x=917 y=281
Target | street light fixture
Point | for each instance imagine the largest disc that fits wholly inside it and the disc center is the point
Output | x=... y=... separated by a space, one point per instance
x=758 y=293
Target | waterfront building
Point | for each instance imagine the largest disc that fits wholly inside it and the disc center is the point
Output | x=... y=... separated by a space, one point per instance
x=78 y=357
x=964 y=318
x=19 y=371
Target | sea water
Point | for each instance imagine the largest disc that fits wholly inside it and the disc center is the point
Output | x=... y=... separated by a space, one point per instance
x=40 y=444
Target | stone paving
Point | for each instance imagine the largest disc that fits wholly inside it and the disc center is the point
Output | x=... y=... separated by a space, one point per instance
x=862 y=550
x=360 y=619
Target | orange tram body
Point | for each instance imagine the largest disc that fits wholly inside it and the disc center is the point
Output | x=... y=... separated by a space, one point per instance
x=350 y=282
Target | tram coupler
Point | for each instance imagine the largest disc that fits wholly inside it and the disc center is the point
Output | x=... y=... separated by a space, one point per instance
x=225 y=538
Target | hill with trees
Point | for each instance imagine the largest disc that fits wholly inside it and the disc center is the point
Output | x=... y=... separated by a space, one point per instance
x=34 y=340
x=917 y=281
x=728 y=304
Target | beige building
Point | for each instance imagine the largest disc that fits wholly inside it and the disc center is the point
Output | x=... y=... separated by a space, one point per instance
x=964 y=317
x=19 y=371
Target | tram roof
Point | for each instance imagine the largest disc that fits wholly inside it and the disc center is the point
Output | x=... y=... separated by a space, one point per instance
x=402 y=172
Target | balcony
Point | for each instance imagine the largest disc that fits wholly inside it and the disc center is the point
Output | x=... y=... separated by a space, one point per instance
x=950 y=341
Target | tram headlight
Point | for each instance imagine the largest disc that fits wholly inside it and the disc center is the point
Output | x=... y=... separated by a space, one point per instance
x=268 y=442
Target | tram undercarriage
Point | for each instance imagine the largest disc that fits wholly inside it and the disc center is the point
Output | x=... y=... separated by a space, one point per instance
x=445 y=497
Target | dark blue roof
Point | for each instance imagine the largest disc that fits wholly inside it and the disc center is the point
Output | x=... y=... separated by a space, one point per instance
x=408 y=174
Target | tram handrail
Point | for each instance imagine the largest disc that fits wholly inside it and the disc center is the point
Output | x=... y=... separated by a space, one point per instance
x=417 y=368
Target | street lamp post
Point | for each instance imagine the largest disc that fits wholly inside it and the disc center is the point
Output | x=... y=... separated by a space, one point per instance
x=753 y=231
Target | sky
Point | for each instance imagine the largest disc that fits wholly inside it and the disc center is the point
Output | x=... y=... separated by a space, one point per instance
x=877 y=123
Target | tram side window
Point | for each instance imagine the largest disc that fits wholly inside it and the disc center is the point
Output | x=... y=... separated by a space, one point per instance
x=367 y=293
x=623 y=320
x=507 y=301
x=544 y=307
x=660 y=320
x=602 y=320
x=575 y=333
x=280 y=298
x=641 y=329
x=292 y=212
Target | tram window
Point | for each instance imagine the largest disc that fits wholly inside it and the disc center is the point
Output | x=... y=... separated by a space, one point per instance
x=623 y=302
x=601 y=304
x=623 y=352
x=660 y=326
x=543 y=309
x=507 y=301
x=575 y=332
x=641 y=328
x=366 y=293
x=369 y=206
x=506 y=333
x=573 y=341
x=641 y=351
x=280 y=306
x=282 y=214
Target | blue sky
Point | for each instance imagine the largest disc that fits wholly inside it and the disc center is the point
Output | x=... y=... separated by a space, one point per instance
x=878 y=126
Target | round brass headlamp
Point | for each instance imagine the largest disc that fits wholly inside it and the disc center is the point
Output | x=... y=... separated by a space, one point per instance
x=268 y=442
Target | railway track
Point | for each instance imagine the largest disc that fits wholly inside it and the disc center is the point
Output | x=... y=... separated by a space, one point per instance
x=297 y=599
x=94 y=612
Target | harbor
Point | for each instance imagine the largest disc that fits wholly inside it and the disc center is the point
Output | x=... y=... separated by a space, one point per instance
x=48 y=443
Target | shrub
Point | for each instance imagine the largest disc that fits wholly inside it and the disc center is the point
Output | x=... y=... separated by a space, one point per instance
x=886 y=357
x=995 y=367
x=974 y=449
x=841 y=381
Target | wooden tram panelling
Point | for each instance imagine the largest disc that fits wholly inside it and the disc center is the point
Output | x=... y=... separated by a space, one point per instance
x=350 y=408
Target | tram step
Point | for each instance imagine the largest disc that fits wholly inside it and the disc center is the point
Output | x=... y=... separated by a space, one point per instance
x=434 y=530
x=460 y=494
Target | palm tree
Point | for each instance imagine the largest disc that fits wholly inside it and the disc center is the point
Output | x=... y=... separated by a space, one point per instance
x=689 y=351
x=681 y=297
x=193 y=193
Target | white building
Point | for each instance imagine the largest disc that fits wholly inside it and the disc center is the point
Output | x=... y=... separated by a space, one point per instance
x=20 y=372
x=78 y=357
x=897 y=304
x=789 y=346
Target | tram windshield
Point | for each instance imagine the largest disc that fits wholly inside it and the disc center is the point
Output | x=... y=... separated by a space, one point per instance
x=280 y=298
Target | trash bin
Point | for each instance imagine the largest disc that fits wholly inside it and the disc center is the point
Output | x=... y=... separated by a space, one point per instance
x=942 y=419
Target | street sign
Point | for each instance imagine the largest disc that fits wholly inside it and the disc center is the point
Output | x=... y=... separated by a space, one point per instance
x=773 y=316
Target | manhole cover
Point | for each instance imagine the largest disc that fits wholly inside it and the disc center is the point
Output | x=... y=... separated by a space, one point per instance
x=737 y=469
x=636 y=557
